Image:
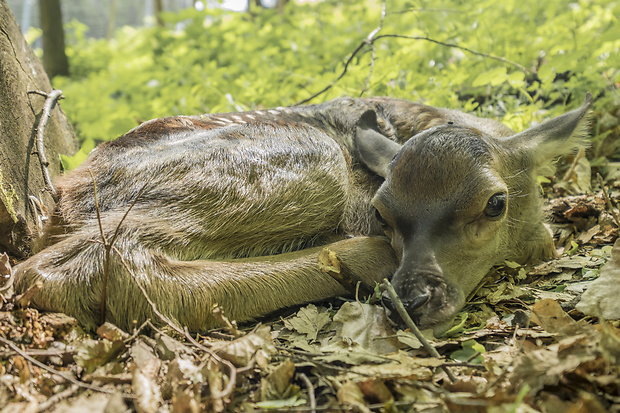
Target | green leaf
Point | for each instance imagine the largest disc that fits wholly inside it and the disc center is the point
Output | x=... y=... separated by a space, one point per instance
x=493 y=77
x=72 y=162
x=466 y=354
x=281 y=404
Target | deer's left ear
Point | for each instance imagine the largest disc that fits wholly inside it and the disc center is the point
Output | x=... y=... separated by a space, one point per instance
x=554 y=137
x=374 y=150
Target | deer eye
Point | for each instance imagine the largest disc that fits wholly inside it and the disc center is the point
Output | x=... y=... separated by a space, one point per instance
x=380 y=218
x=496 y=205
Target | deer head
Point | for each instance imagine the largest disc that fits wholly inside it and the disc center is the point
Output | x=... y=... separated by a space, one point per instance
x=456 y=201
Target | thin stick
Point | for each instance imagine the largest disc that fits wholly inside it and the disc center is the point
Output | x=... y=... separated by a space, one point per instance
x=599 y=178
x=369 y=39
x=54 y=371
x=372 y=38
x=58 y=397
x=414 y=329
x=455 y=46
x=108 y=245
x=232 y=376
x=50 y=101
x=232 y=371
x=310 y=388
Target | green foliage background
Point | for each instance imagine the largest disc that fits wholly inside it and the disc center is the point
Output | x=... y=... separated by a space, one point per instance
x=215 y=61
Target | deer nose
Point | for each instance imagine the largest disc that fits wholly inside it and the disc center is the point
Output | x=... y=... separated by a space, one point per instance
x=410 y=305
x=416 y=302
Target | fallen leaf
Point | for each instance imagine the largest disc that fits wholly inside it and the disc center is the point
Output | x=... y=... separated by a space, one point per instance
x=143 y=355
x=111 y=332
x=468 y=352
x=350 y=394
x=397 y=366
x=278 y=381
x=375 y=390
x=601 y=299
x=147 y=391
x=549 y=315
x=168 y=348
x=308 y=321
x=368 y=326
x=349 y=353
x=256 y=345
x=91 y=354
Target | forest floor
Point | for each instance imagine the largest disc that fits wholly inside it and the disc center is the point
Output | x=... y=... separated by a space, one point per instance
x=519 y=345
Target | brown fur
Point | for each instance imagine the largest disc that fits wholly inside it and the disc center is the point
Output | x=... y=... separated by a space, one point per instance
x=236 y=208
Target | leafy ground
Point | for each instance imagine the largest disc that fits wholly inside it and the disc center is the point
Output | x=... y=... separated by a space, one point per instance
x=522 y=343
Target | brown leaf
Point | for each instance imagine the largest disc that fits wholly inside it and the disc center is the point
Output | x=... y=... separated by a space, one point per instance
x=549 y=315
x=185 y=401
x=111 y=332
x=350 y=394
x=308 y=321
x=91 y=354
x=241 y=351
x=168 y=348
x=281 y=377
x=375 y=390
x=143 y=355
x=148 y=394
x=601 y=297
x=368 y=326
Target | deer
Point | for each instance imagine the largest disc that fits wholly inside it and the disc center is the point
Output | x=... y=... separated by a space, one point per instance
x=234 y=209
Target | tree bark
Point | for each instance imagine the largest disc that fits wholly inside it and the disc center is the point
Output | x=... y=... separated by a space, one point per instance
x=54 y=56
x=21 y=178
x=159 y=8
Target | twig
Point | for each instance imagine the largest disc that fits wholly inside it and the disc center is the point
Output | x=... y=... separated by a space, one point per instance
x=599 y=178
x=310 y=388
x=108 y=245
x=372 y=38
x=456 y=46
x=232 y=371
x=162 y=317
x=232 y=376
x=369 y=39
x=54 y=371
x=58 y=397
x=414 y=328
x=50 y=101
x=38 y=353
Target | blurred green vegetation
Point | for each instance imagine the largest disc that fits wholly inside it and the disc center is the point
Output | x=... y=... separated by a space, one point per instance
x=216 y=61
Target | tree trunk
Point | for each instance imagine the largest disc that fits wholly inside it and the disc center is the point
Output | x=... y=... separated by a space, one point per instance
x=54 y=56
x=159 y=8
x=21 y=177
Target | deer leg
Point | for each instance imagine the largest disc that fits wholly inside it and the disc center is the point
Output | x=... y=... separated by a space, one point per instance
x=186 y=291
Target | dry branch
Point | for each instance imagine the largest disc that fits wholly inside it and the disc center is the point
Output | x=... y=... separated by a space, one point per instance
x=50 y=101
x=52 y=370
x=413 y=327
x=372 y=38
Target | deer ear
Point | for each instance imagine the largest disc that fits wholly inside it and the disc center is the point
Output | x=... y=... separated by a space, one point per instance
x=374 y=150
x=554 y=137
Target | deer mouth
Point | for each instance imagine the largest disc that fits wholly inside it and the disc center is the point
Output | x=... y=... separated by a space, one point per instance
x=427 y=299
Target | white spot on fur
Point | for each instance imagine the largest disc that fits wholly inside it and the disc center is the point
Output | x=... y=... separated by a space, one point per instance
x=222 y=120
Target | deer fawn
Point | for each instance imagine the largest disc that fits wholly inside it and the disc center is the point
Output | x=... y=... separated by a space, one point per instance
x=236 y=208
